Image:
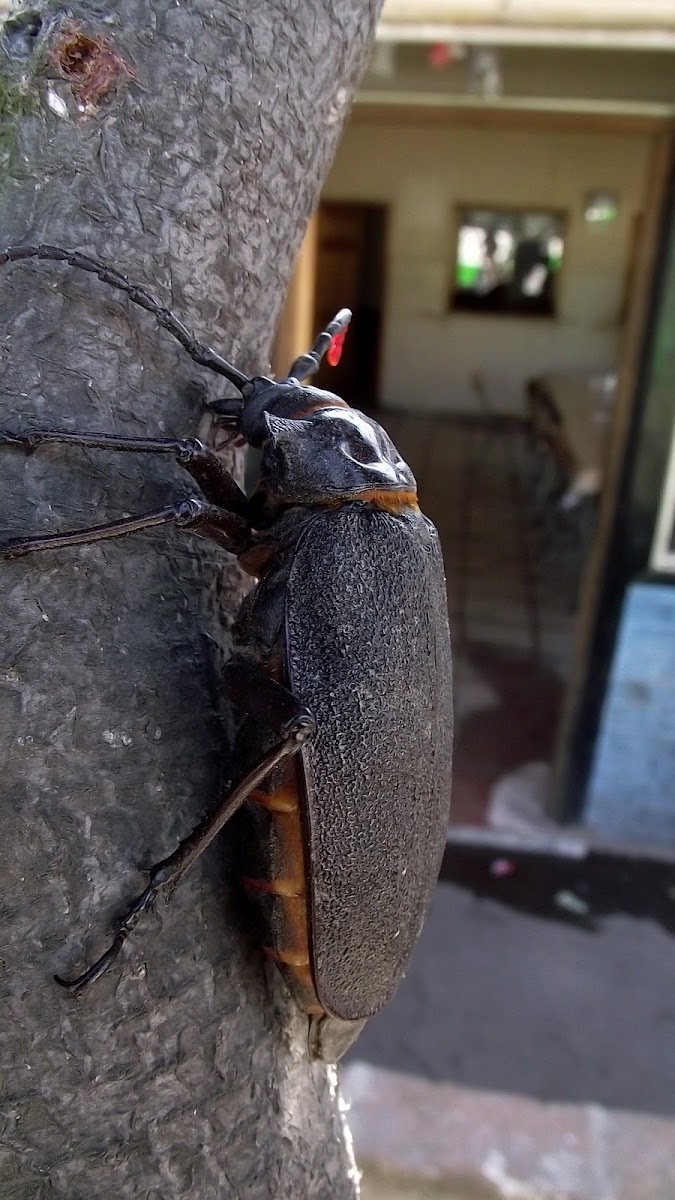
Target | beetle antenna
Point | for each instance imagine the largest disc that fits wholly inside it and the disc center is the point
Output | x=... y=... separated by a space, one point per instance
x=309 y=363
x=203 y=355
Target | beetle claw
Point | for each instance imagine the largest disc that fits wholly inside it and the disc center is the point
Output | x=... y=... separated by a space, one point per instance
x=80 y=984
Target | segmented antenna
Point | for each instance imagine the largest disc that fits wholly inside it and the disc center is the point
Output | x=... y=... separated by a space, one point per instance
x=203 y=355
x=309 y=363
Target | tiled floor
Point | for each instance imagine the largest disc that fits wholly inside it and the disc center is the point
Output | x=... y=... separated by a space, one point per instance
x=511 y=593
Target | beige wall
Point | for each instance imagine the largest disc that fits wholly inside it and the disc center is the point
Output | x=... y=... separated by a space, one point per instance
x=422 y=174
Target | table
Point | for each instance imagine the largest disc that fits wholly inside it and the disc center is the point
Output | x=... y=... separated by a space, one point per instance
x=571 y=411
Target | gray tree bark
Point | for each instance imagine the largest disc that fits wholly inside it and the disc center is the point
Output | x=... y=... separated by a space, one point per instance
x=184 y=143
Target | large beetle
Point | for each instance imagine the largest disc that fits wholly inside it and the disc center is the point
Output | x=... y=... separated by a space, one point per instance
x=341 y=666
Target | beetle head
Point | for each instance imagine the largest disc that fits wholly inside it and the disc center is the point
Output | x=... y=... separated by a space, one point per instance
x=287 y=399
x=315 y=448
x=331 y=454
x=284 y=398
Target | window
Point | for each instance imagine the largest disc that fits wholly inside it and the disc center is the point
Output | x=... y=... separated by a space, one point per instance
x=507 y=261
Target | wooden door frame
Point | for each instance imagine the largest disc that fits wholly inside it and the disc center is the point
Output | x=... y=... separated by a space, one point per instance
x=600 y=593
x=383 y=207
x=295 y=329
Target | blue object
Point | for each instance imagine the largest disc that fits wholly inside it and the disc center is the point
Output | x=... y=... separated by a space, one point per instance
x=632 y=790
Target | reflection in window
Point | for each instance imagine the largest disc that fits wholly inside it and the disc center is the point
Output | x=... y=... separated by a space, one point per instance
x=507 y=262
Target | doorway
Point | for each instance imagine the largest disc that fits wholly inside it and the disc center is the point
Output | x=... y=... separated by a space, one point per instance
x=350 y=274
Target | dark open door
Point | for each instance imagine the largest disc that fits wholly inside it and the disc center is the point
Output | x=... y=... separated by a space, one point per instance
x=350 y=274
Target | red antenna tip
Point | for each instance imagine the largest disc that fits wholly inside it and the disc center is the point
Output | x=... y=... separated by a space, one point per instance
x=335 y=349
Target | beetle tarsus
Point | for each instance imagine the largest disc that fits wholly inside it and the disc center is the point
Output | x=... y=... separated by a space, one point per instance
x=140 y=905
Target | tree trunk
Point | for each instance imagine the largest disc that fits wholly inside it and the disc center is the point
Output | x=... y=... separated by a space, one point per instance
x=185 y=144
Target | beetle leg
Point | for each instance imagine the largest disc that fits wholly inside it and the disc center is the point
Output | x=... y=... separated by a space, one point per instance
x=207 y=520
x=167 y=874
x=202 y=464
x=249 y=688
x=140 y=905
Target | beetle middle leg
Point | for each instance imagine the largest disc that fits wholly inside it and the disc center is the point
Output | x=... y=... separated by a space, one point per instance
x=206 y=520
x=292 y=723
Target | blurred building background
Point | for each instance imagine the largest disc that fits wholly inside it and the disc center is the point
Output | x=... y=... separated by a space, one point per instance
x=500 y=219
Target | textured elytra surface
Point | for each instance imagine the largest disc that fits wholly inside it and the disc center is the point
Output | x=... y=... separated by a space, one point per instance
x=369 y=654
x=176 y=1076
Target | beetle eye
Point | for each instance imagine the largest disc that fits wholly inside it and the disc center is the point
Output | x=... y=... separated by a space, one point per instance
x=358 y=450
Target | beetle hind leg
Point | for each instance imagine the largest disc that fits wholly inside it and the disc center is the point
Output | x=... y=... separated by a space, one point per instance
x=142 y=903
x=167 y=874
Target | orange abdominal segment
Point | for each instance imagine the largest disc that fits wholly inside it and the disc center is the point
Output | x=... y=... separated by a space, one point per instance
x=276 y=887
x=288 y=957
x=287 y=890
x=283 y=801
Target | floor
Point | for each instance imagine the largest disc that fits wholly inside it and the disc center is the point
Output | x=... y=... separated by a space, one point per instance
x=554 y=980
x=512 y=576
x=418 y=1140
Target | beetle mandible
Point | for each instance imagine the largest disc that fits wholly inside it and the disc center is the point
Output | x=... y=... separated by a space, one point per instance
x=341 y=665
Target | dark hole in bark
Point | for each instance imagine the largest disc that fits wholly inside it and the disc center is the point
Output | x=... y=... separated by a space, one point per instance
x=93 y=64
x=77 y=55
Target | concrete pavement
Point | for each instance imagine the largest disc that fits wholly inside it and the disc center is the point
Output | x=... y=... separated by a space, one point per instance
x=528 y=1055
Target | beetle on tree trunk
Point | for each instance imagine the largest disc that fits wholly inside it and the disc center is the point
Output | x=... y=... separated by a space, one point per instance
x=341 y=666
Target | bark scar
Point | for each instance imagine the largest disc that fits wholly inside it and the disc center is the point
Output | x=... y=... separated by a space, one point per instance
x=91 y=64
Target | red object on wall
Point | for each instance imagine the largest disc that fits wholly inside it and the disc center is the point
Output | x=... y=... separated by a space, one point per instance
x=439 y=55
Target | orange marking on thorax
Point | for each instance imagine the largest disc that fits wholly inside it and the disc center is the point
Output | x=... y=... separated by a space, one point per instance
x=390 y=501
x=394 y=501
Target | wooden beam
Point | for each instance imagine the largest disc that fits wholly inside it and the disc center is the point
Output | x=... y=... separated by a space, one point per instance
x=484 y=117
x=592 y=583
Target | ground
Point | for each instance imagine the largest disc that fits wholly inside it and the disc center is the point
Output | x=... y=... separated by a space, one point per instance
x=538 y=1012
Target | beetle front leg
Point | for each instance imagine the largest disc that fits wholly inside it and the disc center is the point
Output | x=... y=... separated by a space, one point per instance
x=199 y=461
